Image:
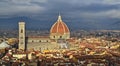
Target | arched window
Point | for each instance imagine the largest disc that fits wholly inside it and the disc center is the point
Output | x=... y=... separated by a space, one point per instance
x=39 y=40
x=21 y=37
x=53 y=36
x=21 y=43
x=21 y=30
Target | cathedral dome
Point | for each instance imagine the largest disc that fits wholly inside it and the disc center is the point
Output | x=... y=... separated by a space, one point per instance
x=59 y=29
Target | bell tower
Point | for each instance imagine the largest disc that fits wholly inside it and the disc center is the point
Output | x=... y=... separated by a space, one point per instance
x=21 y=36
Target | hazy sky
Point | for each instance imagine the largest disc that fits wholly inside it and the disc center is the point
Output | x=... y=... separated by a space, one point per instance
x=72 y=10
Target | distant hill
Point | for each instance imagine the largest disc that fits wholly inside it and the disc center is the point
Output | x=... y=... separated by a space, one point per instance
x=115 y=25
x=35 y=24
x=12 y=23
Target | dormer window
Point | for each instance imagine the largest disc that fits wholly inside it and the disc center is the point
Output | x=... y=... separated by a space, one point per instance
x=60 y=36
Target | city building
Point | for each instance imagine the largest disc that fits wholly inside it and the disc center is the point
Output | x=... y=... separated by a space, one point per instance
x=59 y=34
x=58 y=49
x=21 y=44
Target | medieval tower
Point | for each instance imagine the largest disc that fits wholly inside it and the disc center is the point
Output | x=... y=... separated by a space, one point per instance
x=21 y=36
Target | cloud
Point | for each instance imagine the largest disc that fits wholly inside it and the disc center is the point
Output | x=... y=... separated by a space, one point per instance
x=73 y=8
x=13 y=7
x=103 y=14
x=80 y=11
x=111 y=1
x=110 y=13
x=17 y=9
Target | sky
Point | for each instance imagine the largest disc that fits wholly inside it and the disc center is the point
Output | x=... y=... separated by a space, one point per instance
x=77 y=14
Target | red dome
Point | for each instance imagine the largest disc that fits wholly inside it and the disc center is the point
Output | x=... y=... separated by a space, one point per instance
x=59 y=27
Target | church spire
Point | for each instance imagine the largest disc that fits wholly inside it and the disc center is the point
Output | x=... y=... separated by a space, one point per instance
x=59 y=18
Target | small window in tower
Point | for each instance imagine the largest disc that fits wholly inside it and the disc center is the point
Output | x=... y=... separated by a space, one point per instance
x=39 y=40
x=53 y=36
x=47 y=41
x=21 y=37
x=32 y=41
x=21 y=30
x=21 y=43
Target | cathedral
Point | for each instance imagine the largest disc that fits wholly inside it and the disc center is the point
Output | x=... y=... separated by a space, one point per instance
x=59 y=30
x=58 y=38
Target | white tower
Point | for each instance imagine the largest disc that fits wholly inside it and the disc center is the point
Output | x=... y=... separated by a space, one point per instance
x=21 y=36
